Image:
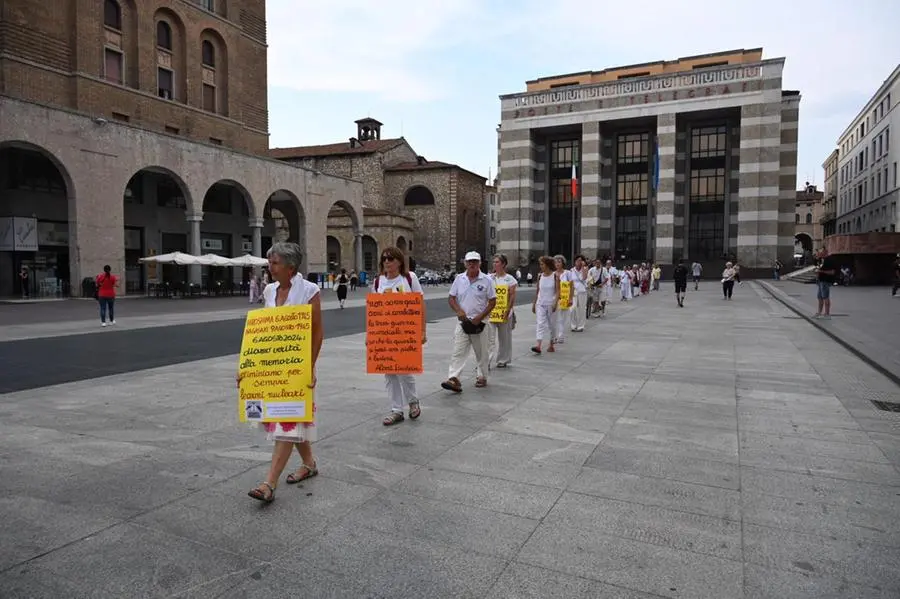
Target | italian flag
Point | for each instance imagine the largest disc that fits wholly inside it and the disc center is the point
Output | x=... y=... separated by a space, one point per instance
x=574 y=182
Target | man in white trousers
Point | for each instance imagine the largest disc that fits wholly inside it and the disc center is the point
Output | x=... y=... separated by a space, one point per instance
x=472 y=297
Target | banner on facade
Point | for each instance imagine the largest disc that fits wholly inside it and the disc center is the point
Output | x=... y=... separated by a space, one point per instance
x=498 y=314
x=18 y=234
x=394 y=325
x=275 y=366
x=565 y=294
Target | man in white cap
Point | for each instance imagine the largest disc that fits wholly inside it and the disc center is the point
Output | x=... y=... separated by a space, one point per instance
x=472 y=297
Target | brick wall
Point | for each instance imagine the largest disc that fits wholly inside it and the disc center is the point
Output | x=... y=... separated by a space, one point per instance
x=55 y=56
x=470 y=213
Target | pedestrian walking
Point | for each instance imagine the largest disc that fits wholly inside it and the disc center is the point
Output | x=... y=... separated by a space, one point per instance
x=580 y=306
x=25 y=282
x=546 y=303
x=896 y=277
x=696 y=270
x=680 y=276
x=826 y=271
x=472 y=297
x=107 y=283
x=341 y=284
x=728 y=280
x=656 y=275
x=500 y=333
x=564 y=314
x=395 y=278
x=290 y=289
x=254 y=289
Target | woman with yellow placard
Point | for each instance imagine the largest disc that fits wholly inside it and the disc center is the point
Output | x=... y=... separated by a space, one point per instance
x=566 y=297
x=503 y=319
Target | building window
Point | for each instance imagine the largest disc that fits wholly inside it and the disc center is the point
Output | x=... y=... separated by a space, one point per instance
x=164 y=83
x=632 y=194
x=209 y=97
x=708 y=142
x=369 y=261
x=796 y=219
x=808 y=219
x=112 y=65
x=164 y=36
x=563 y=213
x=707 y=193
x=112 y=15
x=209 y=5
x=418 y=196
x=633 y=148
x=208 y=54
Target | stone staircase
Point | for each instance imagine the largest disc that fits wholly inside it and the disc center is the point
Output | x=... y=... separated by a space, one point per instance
x=802 y=275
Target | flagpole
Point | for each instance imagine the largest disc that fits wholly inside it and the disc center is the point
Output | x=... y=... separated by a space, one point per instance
x=575 y=189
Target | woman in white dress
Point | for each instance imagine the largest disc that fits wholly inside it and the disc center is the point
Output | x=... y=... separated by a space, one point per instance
x=546 y=302
x=564 y=315
x=625 y=277
x=500 y=333
x=291 y=289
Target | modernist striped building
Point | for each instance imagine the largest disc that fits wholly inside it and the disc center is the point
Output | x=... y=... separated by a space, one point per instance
x=693 y=158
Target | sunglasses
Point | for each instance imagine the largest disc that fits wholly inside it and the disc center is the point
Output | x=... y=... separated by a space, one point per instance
x=387 y=258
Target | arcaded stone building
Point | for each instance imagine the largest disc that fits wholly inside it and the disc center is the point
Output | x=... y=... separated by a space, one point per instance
x=432 y=209
x=688 y=159
x=130 y=128
x=808 y=212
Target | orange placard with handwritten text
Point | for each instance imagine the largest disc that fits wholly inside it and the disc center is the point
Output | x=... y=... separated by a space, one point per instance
x=394 y=324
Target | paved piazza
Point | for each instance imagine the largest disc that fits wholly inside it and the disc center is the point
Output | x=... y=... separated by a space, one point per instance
x=723 y=450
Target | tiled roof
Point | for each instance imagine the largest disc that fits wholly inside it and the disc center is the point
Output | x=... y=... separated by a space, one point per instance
x=428 y=165
x=367 y=147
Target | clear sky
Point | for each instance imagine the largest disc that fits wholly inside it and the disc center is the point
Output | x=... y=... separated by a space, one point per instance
x=432 y=70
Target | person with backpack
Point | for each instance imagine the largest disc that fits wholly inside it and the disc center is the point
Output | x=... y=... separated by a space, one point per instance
x=106 y=284
x=395 y=278
x=341 y=284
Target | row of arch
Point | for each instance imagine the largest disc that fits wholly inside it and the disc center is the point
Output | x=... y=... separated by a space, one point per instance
x=172 y=58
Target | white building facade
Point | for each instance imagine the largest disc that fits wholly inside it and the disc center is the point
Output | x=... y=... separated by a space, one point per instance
x=867 y=171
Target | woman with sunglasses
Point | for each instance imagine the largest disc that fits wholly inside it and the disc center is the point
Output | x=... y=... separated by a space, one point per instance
x=394 y=277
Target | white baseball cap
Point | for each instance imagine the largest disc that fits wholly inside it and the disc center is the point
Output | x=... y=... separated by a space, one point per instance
x=472 y=256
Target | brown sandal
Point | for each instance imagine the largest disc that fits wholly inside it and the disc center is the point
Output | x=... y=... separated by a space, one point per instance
x=394 y=418
x=452 y=384
x=308 y=472
x=481 y=382
x=260 y=495
x=414 y=410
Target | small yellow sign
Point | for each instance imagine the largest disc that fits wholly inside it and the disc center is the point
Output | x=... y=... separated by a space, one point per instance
x=498 y=314
x=565 y=294
x=275 y=366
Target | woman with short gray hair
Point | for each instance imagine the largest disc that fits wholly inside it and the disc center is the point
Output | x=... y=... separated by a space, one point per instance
x=289 y=288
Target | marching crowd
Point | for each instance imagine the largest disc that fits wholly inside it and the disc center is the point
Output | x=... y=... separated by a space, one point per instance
x=565 y=298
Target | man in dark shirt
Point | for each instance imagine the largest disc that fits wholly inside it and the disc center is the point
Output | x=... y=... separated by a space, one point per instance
x=680 y=276
x=826 y=271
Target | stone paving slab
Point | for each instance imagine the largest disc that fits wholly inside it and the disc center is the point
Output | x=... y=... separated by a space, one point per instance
x=727 y=449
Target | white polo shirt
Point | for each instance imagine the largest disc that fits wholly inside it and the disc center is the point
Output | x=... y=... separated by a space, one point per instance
x=473 y=296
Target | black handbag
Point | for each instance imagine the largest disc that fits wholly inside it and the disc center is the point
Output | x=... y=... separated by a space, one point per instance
x=470 y=328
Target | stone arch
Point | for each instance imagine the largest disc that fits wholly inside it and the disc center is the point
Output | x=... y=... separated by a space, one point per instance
x=804 y=241
x=334 y=253
x=401 y=244
x=344 y=224
x=213 y=54
x=283 y=219
x=38 y=200
x=369 y=254
x=174 y=59
x=418 y=195
x=238 y=189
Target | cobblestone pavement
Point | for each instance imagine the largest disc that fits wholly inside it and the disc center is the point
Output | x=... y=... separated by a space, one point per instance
x=865 y=318
x=722 y=450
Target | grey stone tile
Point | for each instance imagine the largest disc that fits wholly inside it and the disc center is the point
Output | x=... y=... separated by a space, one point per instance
x=390 y=565
x=648 y=524
x=866 y=565
x=414 y=442
x=821 y=489
x=529 y=582
x=660 y=492
x=645 y=462
x=879 y=424
x=451 y=524
x=610 y=406
x=518 y=458
x=785 y=427
x=34 y=582
x=700 y=442
x=132 y=561
x=765 y=583
x=632 y=564
x=561 y=425
x=517 y=499
x=822 y=466
x=889 y=444
x=270 y=582
x=224 y=517
x=364 y=469
x=864 y=452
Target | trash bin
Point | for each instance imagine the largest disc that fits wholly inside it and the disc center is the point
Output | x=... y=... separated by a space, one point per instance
x=88 y=287
x=363 y=275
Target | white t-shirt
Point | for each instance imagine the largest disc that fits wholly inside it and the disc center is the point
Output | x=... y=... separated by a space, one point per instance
x=697 y=269
x=547 y=290
x=594 y=275
x=607 y=277
x=580 y=284
x=506 y=279
x=473 y=296
x=398 y=284
x=301 y=292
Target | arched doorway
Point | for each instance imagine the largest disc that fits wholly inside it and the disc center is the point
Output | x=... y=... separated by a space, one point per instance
x=225 y=231
x=369 y=254
x=35 y=191
x=401 y=244
x=333 y=250
x=803 y=243
x=157 y=221
x=343 y=226
x=283 y=220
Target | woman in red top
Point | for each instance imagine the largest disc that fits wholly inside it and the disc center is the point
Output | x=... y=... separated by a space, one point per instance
x=106 y=294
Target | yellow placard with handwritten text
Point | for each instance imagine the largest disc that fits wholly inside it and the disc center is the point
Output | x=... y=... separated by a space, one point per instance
x=565 y=294
x=276 y=366
x=498 y=314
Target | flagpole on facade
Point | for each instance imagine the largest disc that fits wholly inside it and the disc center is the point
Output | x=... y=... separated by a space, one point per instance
x=575 y=190
x=655 y=196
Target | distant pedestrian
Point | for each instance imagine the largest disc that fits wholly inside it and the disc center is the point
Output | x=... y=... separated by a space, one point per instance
x=500 y=333
x=777 y=269
x=25 y=282
x=826 y=271
x=530 y=278
x=696 y=271
x=254 y=289
x=107 y=283
x=680 y=275
x=472 y=297
x=728 y=280
x=341 y=284
x=354 y=280
x=564 y=315
x=581 y=305
x=656 y=275
x=896 y=276
x=546 y=303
